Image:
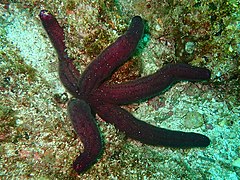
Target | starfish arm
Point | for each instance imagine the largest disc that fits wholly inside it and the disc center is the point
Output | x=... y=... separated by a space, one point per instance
x=151 y=85
x=55 y=32
x=146 y=133
x=68 y=73
x=85 y=126
x=111 y=58
x=69 y=76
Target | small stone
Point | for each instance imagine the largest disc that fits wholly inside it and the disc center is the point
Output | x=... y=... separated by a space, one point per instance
x=230 y=48
x=190 y=47
x=193 y=120
x=236 y=163
x=158 y=27
x=19 y=122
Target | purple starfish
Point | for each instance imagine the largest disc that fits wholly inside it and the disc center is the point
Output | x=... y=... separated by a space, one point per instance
x=92 y=94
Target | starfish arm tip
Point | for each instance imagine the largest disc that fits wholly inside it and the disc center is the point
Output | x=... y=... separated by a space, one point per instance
x=86 y=128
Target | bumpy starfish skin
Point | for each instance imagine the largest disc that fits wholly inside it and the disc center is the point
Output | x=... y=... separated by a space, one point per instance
x=68 y=73
x=111 y=58
x=149 y=86
x=86 y=128
x=93 y=94
x=146 y=133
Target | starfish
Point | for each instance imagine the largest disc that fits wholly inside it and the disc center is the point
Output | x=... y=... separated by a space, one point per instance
x=93 y=95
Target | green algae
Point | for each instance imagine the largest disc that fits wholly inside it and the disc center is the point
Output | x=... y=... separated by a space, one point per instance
x=94 y=43
x=5 y=114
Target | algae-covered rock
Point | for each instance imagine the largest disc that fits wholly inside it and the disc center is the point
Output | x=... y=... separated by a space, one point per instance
x=193 y=120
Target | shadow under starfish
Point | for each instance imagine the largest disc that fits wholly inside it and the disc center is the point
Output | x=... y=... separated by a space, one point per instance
x=92 y=94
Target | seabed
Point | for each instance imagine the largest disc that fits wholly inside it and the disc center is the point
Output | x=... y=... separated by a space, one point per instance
x=37 y=139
